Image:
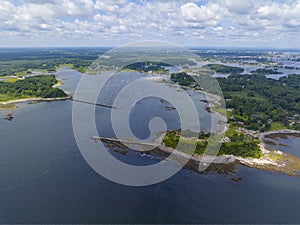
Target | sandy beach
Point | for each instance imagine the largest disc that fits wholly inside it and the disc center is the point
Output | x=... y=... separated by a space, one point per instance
x=34 y=100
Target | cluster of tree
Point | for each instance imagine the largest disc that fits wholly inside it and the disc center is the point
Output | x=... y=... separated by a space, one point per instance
x=243 y=149
x=182 y=79
x=257 y=101
x=266 y=71
x=218 y=68
x=148 y=66
x=171 y=139
x=240 y=144
x=36 y=86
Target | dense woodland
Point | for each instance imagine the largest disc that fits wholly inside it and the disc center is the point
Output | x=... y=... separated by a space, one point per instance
x=36 y=86
x=257 y=101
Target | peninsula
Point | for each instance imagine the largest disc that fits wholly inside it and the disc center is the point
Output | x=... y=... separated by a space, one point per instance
x=33 y=88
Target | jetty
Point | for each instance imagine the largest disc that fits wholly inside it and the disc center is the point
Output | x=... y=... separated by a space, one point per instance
x=126 y=141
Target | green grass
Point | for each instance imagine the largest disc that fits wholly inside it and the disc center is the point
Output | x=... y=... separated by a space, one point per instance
x=21 y=73
x=277 y=126
x=6 y=98
x=231 y=130
x=11 y=80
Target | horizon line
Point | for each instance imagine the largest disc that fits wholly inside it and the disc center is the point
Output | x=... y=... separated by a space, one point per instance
x=188 y=47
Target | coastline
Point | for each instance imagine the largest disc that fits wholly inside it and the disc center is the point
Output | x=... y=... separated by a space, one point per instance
x=34 y=100
x=262 y=136
x=272 y=160
x=212 y=100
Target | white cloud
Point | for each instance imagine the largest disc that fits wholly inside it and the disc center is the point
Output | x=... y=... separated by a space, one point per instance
x=235 y=20
x=193 y=13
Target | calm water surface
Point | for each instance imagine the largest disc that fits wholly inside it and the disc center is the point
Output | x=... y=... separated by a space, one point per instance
x=44 y=179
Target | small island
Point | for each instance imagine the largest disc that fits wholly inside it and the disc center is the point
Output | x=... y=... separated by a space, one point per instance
x=224 y=69
x=148 y=67
x=266 y=71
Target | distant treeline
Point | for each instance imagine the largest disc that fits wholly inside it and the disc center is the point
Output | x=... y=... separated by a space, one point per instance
x=266 y=71
x=218 y=68
x=21 y=60
x=148 y=66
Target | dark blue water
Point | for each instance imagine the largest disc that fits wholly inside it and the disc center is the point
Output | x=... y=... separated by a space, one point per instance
x=44 y=179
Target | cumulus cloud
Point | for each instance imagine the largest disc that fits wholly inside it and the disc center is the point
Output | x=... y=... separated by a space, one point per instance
x=205 y=15
x=185 y=21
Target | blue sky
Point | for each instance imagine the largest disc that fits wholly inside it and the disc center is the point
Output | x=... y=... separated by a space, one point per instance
x=238 y=23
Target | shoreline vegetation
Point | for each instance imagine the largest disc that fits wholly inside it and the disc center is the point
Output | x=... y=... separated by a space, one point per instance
x=29 y=100
x=31 y=89
x=271 y=160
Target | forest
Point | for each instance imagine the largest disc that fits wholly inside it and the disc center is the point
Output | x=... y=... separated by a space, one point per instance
x=35 y=86
x=258 y=102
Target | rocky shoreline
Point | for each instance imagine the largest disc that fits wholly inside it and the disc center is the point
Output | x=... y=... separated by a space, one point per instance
x=271 y=160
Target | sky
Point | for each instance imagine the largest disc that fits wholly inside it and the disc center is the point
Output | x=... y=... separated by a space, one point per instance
x=220 y=23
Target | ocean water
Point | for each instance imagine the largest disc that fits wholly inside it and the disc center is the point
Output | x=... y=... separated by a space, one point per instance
x=44 y=178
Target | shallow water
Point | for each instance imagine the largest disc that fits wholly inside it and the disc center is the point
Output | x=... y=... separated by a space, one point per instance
x=286 y=143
